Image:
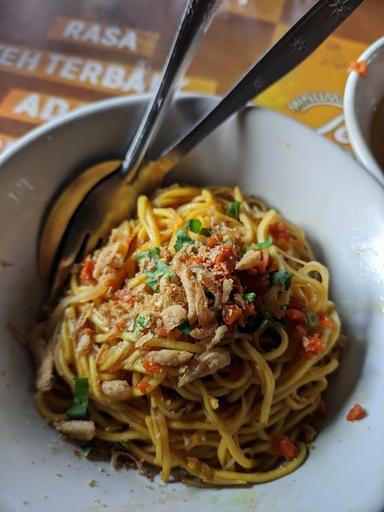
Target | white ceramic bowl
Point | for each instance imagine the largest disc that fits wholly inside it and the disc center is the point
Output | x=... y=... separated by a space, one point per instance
x=313 y=183
x=361 y=97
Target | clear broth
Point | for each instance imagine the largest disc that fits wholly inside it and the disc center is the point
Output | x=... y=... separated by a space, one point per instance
x=377 y=134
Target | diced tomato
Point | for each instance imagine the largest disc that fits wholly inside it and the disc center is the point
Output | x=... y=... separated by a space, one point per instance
x=322 y=407
x=295 y=316
x=143 y=386
x=356 y=413
x=325 y=322
x=360 y=66
x=282 y=445
x=163 y=333
x=117 y=279
x=227 y=255
x=281 y=234
x=233 y=313
x=300 y=332
x=297 y=303
x=151 y=366
x=313 y=345
x=212 y=241
x=119 y=325
x=86 y=274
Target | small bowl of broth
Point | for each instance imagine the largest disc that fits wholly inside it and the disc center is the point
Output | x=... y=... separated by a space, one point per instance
x=364 y=109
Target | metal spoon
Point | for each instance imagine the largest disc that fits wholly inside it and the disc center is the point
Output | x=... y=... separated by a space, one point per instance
x=98 y=213
x=195 y=22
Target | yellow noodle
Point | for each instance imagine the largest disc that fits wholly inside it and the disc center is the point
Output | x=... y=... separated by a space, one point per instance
x=219 y=428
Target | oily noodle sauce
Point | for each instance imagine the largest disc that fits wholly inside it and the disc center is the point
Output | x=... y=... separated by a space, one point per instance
x=377 y=134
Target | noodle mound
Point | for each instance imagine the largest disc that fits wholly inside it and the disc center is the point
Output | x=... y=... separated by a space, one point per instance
x=198 y=340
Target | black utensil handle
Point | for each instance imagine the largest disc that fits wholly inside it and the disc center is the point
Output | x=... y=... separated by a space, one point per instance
x=196 y=19
x=299 y=42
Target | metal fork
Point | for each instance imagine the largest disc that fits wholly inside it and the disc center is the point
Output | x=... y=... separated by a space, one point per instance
x=65 y=236
x=112 y=201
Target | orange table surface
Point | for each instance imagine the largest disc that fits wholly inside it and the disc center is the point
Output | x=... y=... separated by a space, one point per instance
x=56 y=55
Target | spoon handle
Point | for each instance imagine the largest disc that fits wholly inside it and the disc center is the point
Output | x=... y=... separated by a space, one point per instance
x=195 y=22
x=299 y=42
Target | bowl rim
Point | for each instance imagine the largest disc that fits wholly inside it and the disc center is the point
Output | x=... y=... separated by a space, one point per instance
x=104 y=104
x=359 y=146
x=84 y=111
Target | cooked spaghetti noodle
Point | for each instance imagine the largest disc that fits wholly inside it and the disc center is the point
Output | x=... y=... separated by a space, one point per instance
x=206 y=336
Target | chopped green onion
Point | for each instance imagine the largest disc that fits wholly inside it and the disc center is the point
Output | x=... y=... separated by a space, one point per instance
x=262 y=322
x=194 y=225
x=282 y=278
x=283 y=307
x=152 y=282
x=312 y=320
x=143 y=322
x=153 y=254
x=185 y=328
x=182 y=238
x=234 y=209
x=86 y=449
x=79 y=408
x=249 y=297
x=260 y=246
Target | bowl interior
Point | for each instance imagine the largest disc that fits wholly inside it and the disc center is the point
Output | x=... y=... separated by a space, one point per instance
x=312 y=183
x=362 y=96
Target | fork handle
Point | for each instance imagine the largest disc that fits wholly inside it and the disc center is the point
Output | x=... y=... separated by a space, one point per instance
x=297 y=44
x=195 y=22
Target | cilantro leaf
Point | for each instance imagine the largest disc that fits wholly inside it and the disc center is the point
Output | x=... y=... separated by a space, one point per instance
x=182 y=238
x=162 y=270
x=185 y=328
x=282 y=278
x=234 y=209
x=143 y=322
x=260 y=246
x=249 y=297
x=153 y=254
x=79 y=408
x=195 y=226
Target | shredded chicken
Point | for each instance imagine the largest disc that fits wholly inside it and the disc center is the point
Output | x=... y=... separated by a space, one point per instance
x=204 y=364
x=201 y=333
x=187 y=280
x=205 y=316
x=116 y=390
x=219 y=335
x=43 y=355
x=167 y=357
x=249 y=260
x=227 y=288
x=85 y=313
x=77 y=429
x=172 y=316
x=84 y=342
